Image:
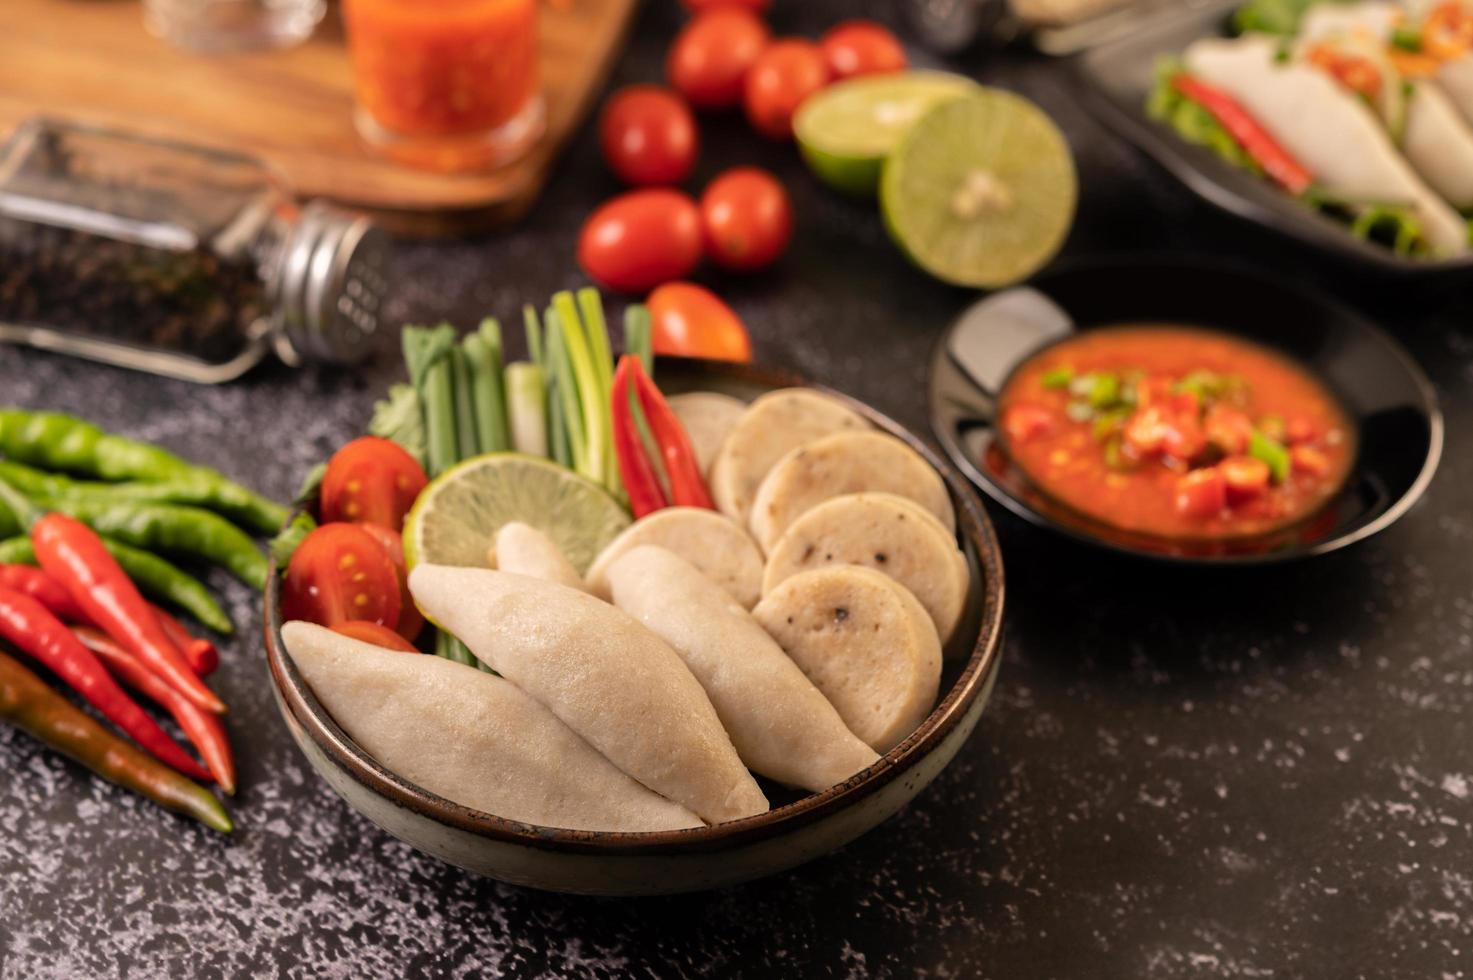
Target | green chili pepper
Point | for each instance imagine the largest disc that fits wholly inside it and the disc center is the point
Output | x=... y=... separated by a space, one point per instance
x=35 y=483
x=174 y=529
x=61 y=442
x=1271 y=452
x=1105 y=391
x=152 y=574
x=50 y=718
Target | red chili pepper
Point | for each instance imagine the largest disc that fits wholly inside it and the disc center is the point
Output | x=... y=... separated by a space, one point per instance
x=27 y=624
x=75 y=556
x=204 y=729
x=687 y=488
x=640 y=480
x=1250 y=135
x=199 y=653
x=31 y=581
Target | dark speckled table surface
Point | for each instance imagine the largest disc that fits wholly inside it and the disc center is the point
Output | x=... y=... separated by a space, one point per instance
x=1259 y=774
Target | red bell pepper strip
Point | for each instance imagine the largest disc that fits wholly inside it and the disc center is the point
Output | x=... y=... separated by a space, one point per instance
x=1250 y=135
x=31 y=581
x=687 y=488
x=640 y=480
x=75 y=556
x=204 y=729
x=29 y=626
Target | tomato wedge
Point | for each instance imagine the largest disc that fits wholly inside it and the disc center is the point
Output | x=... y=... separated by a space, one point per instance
x=339 y=573
x=411 y=620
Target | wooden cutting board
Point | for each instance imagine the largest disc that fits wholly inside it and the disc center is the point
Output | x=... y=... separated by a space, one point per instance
x=91 y=60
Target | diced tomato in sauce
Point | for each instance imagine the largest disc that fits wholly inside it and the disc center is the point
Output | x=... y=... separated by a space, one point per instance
x=1199 y=435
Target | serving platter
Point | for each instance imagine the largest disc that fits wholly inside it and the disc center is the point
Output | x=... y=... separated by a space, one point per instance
x=1389 y=399
x=799 y=828
x=1117 y=76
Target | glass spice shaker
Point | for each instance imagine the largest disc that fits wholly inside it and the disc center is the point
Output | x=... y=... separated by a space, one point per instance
x=174 y=259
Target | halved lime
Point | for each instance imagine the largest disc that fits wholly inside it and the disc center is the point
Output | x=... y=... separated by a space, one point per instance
x=981 y=190
x=846 y=130
x=457 y=516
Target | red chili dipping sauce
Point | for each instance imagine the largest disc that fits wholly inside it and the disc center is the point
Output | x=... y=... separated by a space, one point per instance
x=1176 y=432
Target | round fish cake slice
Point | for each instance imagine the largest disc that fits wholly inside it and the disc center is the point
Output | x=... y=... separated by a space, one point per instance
x=849 y=462
x=890 y=534
x=715 y=544
x=773 y=425
x=865 y=642
x=708 y=416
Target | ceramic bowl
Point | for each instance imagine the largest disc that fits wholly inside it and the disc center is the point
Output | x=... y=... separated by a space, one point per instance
x=1388 y=398
x=797 y=829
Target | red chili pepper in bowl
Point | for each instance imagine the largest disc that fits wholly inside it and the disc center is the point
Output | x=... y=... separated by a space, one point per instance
x=75 y=556
x=640 y=480
x=687 y=488
x=204 y=729
x=29 y=626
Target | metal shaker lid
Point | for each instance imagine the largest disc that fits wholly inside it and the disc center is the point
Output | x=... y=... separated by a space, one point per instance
x=331 y=283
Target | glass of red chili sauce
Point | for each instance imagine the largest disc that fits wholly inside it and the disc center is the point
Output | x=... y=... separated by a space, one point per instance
x=448 y=85
x=1176 y=432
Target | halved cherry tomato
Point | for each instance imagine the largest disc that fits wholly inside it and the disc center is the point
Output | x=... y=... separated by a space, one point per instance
x=747 y=219
x=1201 y=493
x=709 y=61
x=787 y=73
x=861 y=47
x=1227 y=428
x=1246 y=477
x=699 y=6
x=641 y=239
x=648 y=136
x=379 y=636
x=1309 y=460
x=690 y=321
x=371 y=480
x=411 y=620
x=1299 y=429
x=1024 y=422
x=340 y=572
x=1145 y=431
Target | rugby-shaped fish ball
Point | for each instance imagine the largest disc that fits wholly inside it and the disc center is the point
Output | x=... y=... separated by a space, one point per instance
x=474 y=738
x=885 y=532
x=603 y=674
x=719 y=548
x=773 y=425
x=865 y=642
x=524 y=550
x=849 y=462
x=708 y=417
x=782 y=727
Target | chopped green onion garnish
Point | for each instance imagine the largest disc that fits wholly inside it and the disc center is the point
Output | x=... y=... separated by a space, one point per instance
x=1272 y=452
x=1108 y=423
x=1105 y=391
x=1079 y=411
x=1058 y=378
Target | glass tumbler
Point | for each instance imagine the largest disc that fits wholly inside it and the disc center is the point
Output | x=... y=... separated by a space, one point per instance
x=448 y=85
x=232 y=25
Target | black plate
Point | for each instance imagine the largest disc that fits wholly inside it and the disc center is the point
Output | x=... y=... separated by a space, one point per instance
x=1385 y=392
x=1117 y=76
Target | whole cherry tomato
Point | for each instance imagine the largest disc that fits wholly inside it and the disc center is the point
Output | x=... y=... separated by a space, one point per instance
x=788 y=72
x=700 y=6
x=411 y=620
x=861 y=47
x=648 y=136
x=690 y=321
x=373 y=633
x=709 y=61
x=340 y=572
x=641 y=239
x=746 y=218
x=371 y=480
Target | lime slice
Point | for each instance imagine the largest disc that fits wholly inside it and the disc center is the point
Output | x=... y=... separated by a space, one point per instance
x=981 y=190
x=458 y=514
x=847 y=129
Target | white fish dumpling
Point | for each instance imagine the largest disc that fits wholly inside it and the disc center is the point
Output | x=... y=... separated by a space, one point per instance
x=782 y=727
x=719 y=547
x=606 y=676
x=473 y=738
x=524 y=550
